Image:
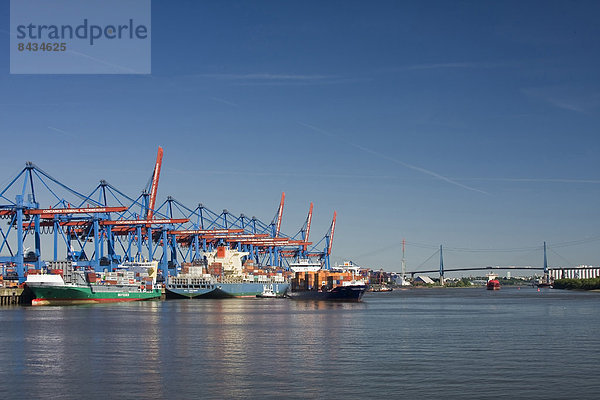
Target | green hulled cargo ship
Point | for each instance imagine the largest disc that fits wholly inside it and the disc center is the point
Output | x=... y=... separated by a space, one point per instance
x=80 y=287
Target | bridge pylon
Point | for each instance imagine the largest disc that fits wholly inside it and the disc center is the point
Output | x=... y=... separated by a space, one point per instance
x=546 y=278
x=441 y=266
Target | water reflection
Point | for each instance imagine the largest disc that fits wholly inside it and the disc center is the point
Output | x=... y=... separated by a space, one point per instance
x=83 y=349
x=272 y=348
x=249 y=342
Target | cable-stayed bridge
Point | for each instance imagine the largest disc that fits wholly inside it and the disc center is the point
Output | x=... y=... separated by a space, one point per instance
x=550 y=273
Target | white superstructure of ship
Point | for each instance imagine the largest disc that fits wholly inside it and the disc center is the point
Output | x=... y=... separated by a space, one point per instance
x=305 y=265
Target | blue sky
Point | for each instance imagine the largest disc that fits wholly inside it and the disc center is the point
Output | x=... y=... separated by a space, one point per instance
x=468 y=124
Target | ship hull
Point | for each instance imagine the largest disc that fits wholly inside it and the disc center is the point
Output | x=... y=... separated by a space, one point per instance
x=186 y=292
x=340 y=293
x=224 y=290
x=68 y=295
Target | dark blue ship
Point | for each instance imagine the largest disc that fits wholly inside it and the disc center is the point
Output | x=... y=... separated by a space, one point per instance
x=327 y=285
x=338 y=293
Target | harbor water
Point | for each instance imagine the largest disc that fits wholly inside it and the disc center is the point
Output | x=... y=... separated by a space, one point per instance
x=419 y=343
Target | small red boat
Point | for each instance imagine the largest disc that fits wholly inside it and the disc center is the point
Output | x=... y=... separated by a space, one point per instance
x=493 y=284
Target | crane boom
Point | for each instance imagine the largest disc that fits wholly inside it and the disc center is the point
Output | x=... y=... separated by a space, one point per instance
x=123 y=222
x=308 y=222
x=331 y=233
x=212 y=232
x=280 y=214
x=51 y=212
x=154 y=187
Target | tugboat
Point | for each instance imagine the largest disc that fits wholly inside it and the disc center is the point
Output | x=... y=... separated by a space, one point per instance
x=269 y=293
x=380 y=288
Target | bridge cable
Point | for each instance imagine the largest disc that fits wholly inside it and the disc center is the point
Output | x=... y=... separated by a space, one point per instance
x=424 y=262
x=555 y=253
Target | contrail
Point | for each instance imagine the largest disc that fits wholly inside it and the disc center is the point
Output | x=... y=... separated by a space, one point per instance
x=535 y=180
x=395 y=160
x=61 y=131
x=229 y=103
x=280 y=174
x=99 y=60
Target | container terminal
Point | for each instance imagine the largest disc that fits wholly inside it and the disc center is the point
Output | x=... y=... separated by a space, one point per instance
x=53 y=229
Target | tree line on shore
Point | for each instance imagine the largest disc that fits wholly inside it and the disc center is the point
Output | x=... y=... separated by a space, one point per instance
x=581 y=284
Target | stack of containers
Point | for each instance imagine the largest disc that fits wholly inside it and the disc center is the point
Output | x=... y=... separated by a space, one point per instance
x=147 y=283
x=111 y=278
x=216 y=269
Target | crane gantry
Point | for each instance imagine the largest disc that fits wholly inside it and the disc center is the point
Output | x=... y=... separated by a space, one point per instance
x=106 y=227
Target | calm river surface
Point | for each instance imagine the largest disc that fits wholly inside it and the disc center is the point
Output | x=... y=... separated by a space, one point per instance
x=420 y=343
